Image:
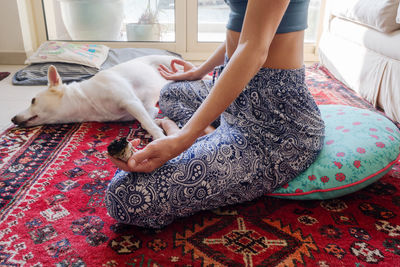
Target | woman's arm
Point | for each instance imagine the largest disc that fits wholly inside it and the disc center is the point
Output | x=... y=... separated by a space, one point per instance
x=261 y=21
x=216 y=59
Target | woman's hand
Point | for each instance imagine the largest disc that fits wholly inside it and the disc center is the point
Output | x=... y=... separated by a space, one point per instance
x=153 y=156
x=190 y=72
x=156 y=153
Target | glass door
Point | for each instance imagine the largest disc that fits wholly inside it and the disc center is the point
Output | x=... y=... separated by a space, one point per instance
x=110 y=20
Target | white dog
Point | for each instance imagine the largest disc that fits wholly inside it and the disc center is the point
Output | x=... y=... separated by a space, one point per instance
x=124 y=92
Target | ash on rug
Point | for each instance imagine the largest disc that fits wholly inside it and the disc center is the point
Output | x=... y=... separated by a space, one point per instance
x=3 y=75
x=52 y=183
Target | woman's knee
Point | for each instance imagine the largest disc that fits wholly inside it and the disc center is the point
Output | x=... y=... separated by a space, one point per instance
x=169 y=94
x=132 y=203
x=124 y=198
x=114 y=200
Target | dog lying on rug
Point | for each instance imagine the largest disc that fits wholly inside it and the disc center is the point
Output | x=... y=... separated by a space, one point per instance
x=124 y=92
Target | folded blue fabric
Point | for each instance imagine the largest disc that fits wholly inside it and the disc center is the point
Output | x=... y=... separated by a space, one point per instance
x=36 y=74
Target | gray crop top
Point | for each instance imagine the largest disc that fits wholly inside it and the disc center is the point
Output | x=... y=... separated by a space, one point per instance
x=294 y=19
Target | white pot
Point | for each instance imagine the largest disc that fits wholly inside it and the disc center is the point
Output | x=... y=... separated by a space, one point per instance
x=143 y=32
x=93 y=20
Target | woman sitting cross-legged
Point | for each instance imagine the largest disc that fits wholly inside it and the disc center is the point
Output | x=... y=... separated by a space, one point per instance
x=246 y=133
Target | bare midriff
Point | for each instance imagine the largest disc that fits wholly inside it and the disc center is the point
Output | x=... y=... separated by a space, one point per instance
x=285 y=51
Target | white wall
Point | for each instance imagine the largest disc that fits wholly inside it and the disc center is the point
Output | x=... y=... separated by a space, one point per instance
x=11 y=43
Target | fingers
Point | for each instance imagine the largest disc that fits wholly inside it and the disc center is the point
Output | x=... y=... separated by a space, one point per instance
x=173 y=73
x=165 y=75
x=177 y=61
x=119 y=163
x=173 y=67
x=175 y=77
x=134 y=165
x=165 y=72
x=145 y=160
x=144 y=154
x=164 y=68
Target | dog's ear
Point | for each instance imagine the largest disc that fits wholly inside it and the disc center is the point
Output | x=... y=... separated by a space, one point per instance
x=53 y=77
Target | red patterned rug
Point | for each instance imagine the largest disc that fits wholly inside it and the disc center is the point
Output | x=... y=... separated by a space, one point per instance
x=4 y=75
x=52 y=182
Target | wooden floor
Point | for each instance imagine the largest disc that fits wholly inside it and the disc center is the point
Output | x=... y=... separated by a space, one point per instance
x=14 y=99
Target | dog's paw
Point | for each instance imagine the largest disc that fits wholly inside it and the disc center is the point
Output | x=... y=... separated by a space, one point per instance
x=169 y=126
x=158 y=135
x=160 y=121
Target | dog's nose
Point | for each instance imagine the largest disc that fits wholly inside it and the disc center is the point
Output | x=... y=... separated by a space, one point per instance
x=14 y=120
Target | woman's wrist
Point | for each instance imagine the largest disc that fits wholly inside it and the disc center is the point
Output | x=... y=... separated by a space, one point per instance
x=202 y=71
x=197 y=73
x=187 y=137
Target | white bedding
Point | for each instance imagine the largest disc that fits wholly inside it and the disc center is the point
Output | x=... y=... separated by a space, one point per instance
x=377 y=14
x=386 y=44
x=366 y=60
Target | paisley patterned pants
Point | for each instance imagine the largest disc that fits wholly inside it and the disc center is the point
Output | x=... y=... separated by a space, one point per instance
x=272 y=132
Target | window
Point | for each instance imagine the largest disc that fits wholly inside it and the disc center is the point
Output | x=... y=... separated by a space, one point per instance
x=110 y=20
x=213 y=14
x=211 y=20
x=314 y=18
x=192 y=28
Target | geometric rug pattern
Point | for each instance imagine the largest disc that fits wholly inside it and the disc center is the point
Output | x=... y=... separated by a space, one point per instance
x=52 y=184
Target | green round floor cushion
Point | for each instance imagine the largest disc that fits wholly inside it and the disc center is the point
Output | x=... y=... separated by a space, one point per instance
x=360 y=147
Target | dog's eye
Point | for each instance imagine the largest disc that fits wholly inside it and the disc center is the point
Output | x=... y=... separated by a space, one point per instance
x=33 y=101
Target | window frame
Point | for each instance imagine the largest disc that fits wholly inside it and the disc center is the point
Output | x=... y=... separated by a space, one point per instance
x=33 y=23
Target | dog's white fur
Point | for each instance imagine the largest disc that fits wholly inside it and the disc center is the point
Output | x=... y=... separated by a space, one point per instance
x=124 y=92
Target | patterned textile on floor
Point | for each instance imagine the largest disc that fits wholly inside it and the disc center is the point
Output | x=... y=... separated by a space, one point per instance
x=3 y=75
x=52 y=183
